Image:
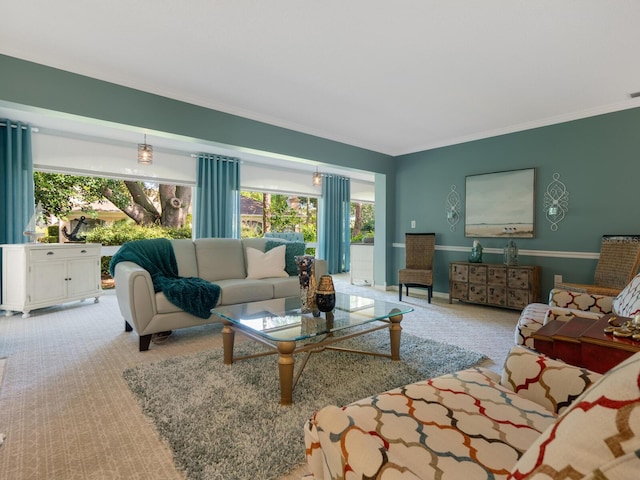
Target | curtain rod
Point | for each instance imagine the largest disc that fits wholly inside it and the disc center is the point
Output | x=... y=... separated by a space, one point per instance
x=223 y=157
x=24 y=127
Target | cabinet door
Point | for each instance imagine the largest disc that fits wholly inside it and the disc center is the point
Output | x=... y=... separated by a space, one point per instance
x=518 y=298
x=477 y=274
x=519 y=278
x=83 y=277
x=47 y=282
x=497 y=276
x=459 y=273
x=497 y=295
x=460 y=290
x=478 y=292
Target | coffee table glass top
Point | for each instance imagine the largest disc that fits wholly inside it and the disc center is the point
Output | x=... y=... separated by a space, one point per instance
x=281 y=319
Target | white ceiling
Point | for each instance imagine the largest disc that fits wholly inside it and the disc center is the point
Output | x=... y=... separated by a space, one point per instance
x=391 y=76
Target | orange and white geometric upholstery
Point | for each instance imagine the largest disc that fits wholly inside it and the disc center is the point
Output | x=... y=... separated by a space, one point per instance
x=564 y=305
x=596 y=438
x=466 y=425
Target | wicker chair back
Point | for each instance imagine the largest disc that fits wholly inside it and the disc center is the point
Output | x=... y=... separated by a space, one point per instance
x=418 y=272
x=618 y=263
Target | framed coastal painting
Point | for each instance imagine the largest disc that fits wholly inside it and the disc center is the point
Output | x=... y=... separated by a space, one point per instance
x=500 y=204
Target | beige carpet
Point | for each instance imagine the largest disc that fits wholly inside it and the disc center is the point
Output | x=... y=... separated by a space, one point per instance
x=67 y=412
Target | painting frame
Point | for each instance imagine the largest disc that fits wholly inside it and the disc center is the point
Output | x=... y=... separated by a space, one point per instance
x=500 y=204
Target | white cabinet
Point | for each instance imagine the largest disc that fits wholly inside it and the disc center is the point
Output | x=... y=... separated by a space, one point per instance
x=37 y=275
x=361 y=263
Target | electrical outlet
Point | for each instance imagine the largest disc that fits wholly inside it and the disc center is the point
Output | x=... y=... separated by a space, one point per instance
x=557 y=279
x=413 y=224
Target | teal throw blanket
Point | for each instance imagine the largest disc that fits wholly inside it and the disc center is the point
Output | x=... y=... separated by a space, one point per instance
x=191 y=294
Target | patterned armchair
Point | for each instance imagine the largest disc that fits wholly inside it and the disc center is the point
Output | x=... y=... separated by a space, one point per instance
x=566 y=304
x=540 y=419
x=617 y=265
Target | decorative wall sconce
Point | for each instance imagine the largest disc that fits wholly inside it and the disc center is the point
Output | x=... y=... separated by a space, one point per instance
x=556 y=202
x=453 y=208
x=145 y=152
x=317 y=178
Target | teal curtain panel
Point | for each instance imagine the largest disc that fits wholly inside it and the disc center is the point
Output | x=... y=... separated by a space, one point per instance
x=334 y=230
x=16 y=180
x=217 y=205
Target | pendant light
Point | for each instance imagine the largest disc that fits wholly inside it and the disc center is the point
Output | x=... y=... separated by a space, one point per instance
x=317 y=178
x=145 y=152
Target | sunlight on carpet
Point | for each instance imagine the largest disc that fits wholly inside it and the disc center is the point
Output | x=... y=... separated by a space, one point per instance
x=225 y=422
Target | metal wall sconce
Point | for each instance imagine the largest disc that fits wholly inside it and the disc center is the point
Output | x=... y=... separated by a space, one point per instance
x=453 y=208
x=145 y=152
x=556 y=202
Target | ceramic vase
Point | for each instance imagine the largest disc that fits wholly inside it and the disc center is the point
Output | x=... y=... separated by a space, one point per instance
x=307 y=276
x=326 y=294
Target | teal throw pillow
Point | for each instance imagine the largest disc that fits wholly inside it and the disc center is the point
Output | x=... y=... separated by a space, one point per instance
x=293 y=249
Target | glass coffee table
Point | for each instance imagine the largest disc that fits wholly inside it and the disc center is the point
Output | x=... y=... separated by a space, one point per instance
x=286 y=331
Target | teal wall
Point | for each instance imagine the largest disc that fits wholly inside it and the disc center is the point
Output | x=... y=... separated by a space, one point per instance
x=598 y=160
x=26 y=84
x=34 y=85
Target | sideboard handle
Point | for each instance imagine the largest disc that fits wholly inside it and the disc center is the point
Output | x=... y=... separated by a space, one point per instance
x=83 y=251
x=50 y=253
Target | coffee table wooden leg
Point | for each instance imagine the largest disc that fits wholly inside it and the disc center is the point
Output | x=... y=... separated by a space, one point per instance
x=395 y=332
x=285 y=369
x=228 y=336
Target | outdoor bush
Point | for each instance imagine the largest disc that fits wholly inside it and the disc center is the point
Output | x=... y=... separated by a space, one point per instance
x=361 y=236
x=121 y=232
x=51 y=235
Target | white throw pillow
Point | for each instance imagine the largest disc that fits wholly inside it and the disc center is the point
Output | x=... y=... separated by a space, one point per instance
x=266 y=265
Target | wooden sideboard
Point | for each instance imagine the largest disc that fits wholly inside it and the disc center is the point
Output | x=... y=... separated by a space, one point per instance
x=508 y=286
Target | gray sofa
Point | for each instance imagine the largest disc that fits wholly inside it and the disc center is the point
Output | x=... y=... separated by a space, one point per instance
x=219 y=260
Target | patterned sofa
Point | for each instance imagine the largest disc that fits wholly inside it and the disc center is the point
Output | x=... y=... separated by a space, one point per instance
x=540 y=419
x=565 y=304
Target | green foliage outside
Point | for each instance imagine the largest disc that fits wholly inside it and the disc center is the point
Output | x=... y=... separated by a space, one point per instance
x=52 y=234
x=121 y=232
x=57 y=192
x=60 y=194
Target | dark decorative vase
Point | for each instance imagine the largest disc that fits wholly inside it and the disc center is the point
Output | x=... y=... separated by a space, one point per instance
x=325 y=294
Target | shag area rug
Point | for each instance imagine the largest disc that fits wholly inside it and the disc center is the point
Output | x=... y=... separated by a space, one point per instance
x=225 y=422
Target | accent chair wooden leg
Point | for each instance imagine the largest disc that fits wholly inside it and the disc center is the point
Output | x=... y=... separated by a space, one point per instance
x=145 y=341
x=127 y=327
x=429 y=293
x=400 y=291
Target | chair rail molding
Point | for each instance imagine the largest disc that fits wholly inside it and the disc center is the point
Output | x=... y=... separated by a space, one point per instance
x=531 y=253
